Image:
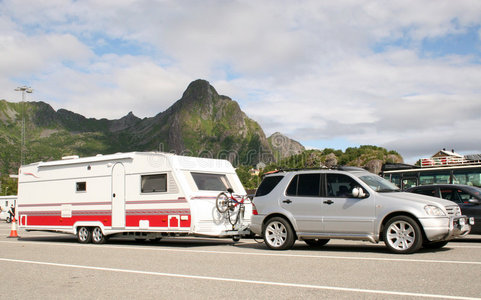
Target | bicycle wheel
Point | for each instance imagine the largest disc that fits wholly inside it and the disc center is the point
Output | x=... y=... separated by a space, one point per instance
x=222 y=202
x=233 y=215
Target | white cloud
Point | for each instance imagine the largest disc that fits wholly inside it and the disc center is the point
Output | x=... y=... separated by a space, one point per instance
x=20 y=54
x=310 y=69
x=115 y=85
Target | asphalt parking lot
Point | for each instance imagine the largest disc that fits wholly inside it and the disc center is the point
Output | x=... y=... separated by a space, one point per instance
x=51 y=265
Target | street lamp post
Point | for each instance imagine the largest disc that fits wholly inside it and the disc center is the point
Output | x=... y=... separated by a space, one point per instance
x=24 y=89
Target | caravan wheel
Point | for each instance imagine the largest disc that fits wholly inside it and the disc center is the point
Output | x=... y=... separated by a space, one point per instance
x=98 y=236
x=84 y=235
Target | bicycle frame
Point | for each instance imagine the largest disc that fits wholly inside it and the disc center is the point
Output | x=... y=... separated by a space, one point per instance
x=226 y=204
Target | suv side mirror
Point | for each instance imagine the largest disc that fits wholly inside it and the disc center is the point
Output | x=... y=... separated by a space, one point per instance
x=358 y=192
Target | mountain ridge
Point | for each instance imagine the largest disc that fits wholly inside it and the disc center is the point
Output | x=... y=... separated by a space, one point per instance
x=200 y=123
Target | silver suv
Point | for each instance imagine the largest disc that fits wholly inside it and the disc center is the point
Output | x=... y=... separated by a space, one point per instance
x=351 y=203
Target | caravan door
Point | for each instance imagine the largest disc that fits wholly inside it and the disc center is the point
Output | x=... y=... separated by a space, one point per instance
x=118 y=196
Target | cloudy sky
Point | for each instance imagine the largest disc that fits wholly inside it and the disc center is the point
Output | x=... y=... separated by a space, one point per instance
x=405 y=75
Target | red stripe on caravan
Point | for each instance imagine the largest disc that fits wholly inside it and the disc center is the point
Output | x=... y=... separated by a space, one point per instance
x=31 y=174
x=174 y=211
x=157 y=220
x=60 y=204
x=32 y=220
x=59 y=213
x=132 y=219
x=178 y=200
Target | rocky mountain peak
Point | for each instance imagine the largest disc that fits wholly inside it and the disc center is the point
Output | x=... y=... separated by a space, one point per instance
x=284 y=146
x=123 y=123
x=204 y=121
x=199 y=90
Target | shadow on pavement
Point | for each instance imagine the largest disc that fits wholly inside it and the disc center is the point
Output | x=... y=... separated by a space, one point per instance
x=179 y=242
x=246 y=243
x=300 y=247
x=469 y=239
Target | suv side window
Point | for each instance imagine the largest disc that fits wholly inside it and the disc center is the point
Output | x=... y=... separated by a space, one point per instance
x=340 y=185
x=464 y=197
x=305 y=185
x=427 y=192
x=456 y=195
x=267 y=185
x=448 y=194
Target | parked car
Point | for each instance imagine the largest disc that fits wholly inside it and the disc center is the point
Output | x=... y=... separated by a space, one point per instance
x=467 y=197
x=350 y=203
x=4 y=215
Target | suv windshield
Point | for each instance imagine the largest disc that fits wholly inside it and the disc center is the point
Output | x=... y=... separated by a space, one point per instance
x=379 y=184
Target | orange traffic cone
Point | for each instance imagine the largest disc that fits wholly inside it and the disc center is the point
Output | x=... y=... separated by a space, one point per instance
x=13 y=232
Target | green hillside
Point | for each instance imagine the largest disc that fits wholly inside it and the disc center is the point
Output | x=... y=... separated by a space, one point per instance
x=369 y=157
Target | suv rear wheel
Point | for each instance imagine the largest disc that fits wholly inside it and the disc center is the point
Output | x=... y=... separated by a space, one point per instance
x=402 y=235
x=278 y=234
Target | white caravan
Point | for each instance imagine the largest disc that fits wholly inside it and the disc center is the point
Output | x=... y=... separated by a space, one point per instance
x=147 y=195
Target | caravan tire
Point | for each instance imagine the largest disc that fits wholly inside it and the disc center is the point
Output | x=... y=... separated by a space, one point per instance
x=98 y=236
x=84 y=235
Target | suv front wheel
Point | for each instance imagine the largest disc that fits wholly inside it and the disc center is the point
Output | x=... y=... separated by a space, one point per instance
x=278 y=234
x=402 y=235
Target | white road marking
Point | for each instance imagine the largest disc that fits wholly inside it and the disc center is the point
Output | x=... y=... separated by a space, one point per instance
x=264 y=253
x=236 y=280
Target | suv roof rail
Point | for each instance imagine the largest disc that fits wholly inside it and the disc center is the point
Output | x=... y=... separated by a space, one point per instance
x=349 y=168
x=340 y=168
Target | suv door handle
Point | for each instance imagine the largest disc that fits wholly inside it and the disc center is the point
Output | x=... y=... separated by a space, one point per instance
x=329 y=202
x=287 y=201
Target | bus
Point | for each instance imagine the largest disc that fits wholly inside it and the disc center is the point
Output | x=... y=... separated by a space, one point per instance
x=405 y=176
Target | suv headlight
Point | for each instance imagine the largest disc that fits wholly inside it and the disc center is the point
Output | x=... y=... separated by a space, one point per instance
x=434 y=210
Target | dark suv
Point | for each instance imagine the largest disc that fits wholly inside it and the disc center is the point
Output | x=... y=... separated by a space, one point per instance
x=467 y=197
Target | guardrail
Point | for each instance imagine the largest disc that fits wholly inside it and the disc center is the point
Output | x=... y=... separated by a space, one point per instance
x=447 y=161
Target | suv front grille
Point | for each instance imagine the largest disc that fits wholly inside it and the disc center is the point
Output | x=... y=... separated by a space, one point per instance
x=453 y=210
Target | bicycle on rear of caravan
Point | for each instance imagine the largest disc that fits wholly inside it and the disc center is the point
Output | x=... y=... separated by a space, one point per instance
x=231 y=205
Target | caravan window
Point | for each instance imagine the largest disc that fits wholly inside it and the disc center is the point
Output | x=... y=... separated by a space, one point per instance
x=154 y=183
x=211 y=182
x=81 y=186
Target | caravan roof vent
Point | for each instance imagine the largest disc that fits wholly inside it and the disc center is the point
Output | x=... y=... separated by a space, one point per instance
x=70 y=157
